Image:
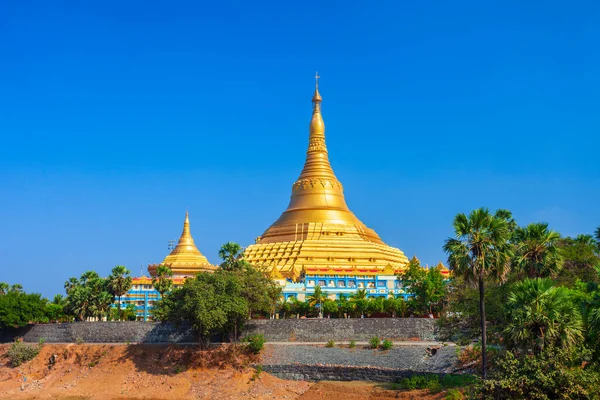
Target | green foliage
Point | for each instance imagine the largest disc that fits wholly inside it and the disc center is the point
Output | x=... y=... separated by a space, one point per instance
x=581 y=259
x=536 y=251
x=119 y=282
x=88 y=296
x=20 y=352
x=427 y=285
x=162 y=282
x=18 y=308
x=541 y=315
x=374 y=342
x=330 y=343
x=545 y=376
x=454 y=394
x=352 y=344
x=436 y=383
x=330 y=307
x=386 y=344
x=232 y=256
x=218 y=302
x=4 y=288
x=255 y=342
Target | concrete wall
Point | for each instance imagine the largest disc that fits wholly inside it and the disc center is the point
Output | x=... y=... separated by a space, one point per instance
x=322 y=330
x=301 y=330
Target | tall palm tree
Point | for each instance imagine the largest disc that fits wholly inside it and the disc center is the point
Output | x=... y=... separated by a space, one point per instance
x=597 y=236
x=231 y=254
x=480 y=250
x=162 y=282
x=119 y=283
x=4 y=287
x=360 y=294
x=536 y=251
x=542 y=315
x=318 y=297
x=17 y=287
x=70 y=284
x=58 y=299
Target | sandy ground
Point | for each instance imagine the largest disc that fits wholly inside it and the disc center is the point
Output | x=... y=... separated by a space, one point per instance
x=165 y=372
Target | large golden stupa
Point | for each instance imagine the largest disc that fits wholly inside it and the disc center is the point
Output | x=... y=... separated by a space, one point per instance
x=318 y=232
x=185 y=259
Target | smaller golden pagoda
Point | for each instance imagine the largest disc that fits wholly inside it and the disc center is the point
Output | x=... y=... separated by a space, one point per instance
x=185 y=259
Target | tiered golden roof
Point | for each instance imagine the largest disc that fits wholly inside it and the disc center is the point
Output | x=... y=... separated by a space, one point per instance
x=318 y=231
x=185 y=259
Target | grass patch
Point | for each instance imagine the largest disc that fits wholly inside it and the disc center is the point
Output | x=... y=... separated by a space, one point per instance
x=386 y=344
x=330 y=344
x=436 y=383
x=352 y=344
x=374 y=342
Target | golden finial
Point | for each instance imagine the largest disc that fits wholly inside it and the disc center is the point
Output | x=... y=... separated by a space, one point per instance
x=316 y=97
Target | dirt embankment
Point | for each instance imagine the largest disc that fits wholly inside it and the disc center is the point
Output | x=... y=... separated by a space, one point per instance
x=164 y=372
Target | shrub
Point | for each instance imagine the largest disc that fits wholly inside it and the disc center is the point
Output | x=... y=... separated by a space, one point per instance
x=255 y=343
x=330 y=343
x=374 y=342
x=352 y=344
x=454 y=394
x=19 y=352
x=436 y=383
x=386 y=344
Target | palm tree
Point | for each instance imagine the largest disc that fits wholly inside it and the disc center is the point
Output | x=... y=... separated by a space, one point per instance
x=58 y=299
x=360 y=294
x=318 y=297
x=70 y=284
x=231 y=254
x=162 y=282
x=360 y=302
x=536 y=251
x=597 y=236
x=4 y=287
x=542 y=315
x=119 y=283
x=480 y=250
x=17 y=287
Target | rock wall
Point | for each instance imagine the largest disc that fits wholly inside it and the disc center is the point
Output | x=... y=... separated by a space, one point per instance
x=337 y=373
x=301 y=330
x=322 y=330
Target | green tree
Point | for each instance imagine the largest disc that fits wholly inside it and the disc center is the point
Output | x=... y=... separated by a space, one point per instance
x=396 y=306
x=232 y=256
x=541 y=315
x=343 y=305
x=359 y=301
x=119 y=283
x=580 y=260
x=17 y=287
x=18 y=309
x=58 y=299
x=162 y=282
x=597 y=236
x=4 y=288
x=480 y=250
x=330 y=307
x=317 y=299
x=536 y=251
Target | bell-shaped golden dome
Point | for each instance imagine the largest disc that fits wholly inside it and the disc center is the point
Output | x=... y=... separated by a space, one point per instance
x=318 y=228
x=185 y=259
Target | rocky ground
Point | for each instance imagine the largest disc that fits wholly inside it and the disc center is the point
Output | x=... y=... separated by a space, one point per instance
x=178 y=372
x=414 y=358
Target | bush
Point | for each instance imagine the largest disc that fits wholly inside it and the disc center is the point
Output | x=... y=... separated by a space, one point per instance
x=255 y=343
x=374 y=342
x=352 y=344
x=19 y=352
x=386 y=344
x=330 y=343
x=454 y=394
x=436 y=383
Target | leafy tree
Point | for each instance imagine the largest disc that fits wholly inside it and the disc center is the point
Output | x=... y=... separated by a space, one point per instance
x=541 y=315
x=597 y=236
x=580 y=260
x=536 y=251
x=59 y=299
x=480 y=250
x=330 y=307
x=18 y=309
x=376 y=305
x=427 y=286
x=359 y=301
x=162 y=282
x=87 y=297
x=3 y=288
x=17 y=287
x=396 y=306
x=119 y=283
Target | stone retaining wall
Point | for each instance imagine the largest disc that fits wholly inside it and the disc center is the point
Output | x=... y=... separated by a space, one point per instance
x=361 y=329
x=337 y=373
x=302 y=330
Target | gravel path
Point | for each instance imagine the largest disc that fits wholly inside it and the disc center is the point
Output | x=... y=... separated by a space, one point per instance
x=414 y=358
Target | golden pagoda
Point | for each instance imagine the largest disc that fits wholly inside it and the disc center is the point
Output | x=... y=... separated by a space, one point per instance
x=318 y=233
x=185 y=259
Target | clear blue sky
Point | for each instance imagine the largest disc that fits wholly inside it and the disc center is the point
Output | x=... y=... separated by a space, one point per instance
x=117 y=115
